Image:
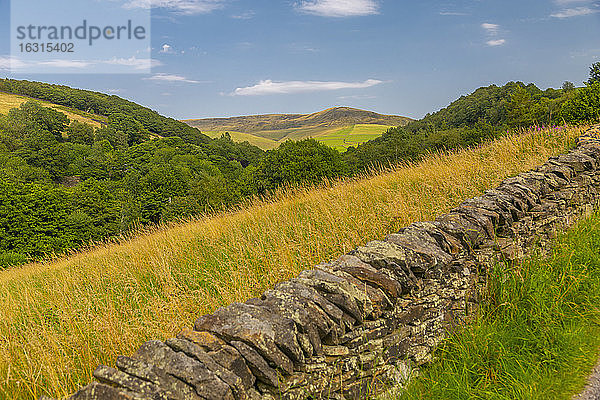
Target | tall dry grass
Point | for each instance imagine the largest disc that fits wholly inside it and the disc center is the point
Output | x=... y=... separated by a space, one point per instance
x=61 y=319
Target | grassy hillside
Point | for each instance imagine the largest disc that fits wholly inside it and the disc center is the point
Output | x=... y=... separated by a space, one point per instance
x=240 y=137
x=325 y=126
x=61 y=319
x=9 y=101
x=538 y=333
x=338 y=138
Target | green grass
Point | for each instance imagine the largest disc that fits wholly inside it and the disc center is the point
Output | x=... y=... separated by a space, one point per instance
x=352 y=135
x=239 y=137
x=338 y=138
x=538 y=333
x=9 y=101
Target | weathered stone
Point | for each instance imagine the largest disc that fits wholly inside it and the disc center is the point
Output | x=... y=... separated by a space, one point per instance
x=259 y=367
x=423 y=244
x=457 y=225
x=309 y=318
x=231 y=359
x=206 y=384
x=207 y=341
x=577 y=160
x=99 y=391
x=297 y=288
x=386 y=255
x=114 y=377
x=365 y=272
x=347 y=296
x=236 y=323
x=171 y=386
x=193 y=350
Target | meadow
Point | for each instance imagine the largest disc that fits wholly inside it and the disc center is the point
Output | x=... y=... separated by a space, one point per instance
x=62 y=318
x=338 y=138
x=9 y=101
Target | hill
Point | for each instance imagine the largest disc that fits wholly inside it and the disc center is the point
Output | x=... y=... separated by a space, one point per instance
x=323 y=126
x=9 y=101
x=67 y=316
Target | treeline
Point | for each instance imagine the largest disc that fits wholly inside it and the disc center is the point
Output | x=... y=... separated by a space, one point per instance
x=64 y=183
x=486 y=113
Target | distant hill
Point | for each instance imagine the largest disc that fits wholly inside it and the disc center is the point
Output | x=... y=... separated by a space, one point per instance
x=324 y=126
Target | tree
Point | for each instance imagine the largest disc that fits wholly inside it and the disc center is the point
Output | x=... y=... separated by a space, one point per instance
x=520 y=108
x=305 y=161
x=568 y=86
x=594 y=73
x=81 y=133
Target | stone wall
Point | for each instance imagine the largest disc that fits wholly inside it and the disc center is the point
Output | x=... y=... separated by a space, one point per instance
x=352 y=327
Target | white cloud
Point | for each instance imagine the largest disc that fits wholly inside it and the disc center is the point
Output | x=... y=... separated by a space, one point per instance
x=181 y=6
x=269 y=87
x=574 y=12
x=339 y=8
x=8 y=62
x=492 y=29
x=136 y=63
x=162 y=77
x=65 y=63
x=494 y=43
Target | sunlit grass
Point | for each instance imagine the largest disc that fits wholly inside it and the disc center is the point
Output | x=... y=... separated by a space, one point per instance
x=59 y=320
x=9 y=101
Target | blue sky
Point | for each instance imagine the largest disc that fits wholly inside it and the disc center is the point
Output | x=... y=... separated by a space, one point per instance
x=237 y=57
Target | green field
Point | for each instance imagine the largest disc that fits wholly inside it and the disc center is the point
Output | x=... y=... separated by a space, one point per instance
x=352 y=135
x=10 y=101
x=239 y=137
x=338 y=138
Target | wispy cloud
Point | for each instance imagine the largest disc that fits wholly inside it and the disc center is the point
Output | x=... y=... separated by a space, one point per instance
x=162 y=77
x=16 y=64
x=498 y=42
x=574 y=12
x=181 y=6
x=245 y=15
x=339 y=8
x=492 y=29
x=566 y=3
x=270 y=87
x=452 y=13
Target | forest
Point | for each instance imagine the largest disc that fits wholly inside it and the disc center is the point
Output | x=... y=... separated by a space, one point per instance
x=65 y=184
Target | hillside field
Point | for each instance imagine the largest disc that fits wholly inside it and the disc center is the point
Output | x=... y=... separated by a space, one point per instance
x=338 y=138
x=61 y=319
x=9 y=101
x=338 y=127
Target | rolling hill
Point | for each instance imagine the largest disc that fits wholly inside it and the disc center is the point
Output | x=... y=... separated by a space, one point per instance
x=9 y=101
x=339 y=127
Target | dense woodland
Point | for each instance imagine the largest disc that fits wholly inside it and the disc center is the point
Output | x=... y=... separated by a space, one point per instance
x=64 y=183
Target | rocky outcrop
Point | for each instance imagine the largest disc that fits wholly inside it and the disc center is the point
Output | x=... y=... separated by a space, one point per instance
x=351 y=327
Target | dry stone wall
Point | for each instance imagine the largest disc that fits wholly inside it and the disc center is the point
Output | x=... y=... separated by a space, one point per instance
x=349 y=328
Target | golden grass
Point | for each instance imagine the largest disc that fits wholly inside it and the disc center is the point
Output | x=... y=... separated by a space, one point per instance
x=59 y=320
x=10 y=101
